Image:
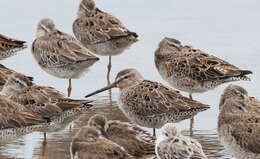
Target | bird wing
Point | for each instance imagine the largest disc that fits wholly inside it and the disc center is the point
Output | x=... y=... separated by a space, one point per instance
x=14 y=115
x=149 y=98
x=58 y=49
x=99 y=29
x=200 y=66
x=7 y=43
x=133 y=138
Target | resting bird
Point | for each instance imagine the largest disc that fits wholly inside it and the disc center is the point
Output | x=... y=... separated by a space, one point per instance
x=88 y=143
x=101 y=32
x=136 y=141
x=239 y=123
x=192 y=70
x=60 y=54
x=170 y=144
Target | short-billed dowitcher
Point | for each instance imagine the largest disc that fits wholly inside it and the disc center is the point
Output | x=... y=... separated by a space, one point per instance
x=151 y=104
x=192 y=70
x=88 y=143
x=44 y=101
x=136 y=141
x=15 y=115
x=60 y=54
x=5 y=73
x=101 y=32
x=170 y=144
x=239 y=123
x=9 y=46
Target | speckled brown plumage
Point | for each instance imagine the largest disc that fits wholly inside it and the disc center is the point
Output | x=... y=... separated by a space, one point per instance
x=192 y=70
x=15 y=115
x=9 y=46
x=137 y=141
x=88 y=143
x=101 y=32
x=44 y=101
x=5 y=73
x=238 y=123
x=149 y=103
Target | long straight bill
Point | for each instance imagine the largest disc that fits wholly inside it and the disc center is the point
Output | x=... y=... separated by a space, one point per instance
x=102 y=89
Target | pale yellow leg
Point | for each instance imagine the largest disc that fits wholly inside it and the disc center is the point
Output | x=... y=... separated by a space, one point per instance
x=69 y=88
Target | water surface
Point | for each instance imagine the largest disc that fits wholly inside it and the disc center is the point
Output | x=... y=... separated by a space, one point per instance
x=227 y=29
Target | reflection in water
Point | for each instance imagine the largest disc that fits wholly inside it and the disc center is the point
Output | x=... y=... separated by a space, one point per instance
x=58 y=143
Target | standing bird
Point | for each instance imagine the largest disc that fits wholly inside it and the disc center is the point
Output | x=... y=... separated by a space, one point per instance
x=60 y=54
x=135 y=140
x=170 y=144
x=88 y=143
x=239 y=123
x=9 y=47
x=151 y=104
x=101 y=32
x=192 y=70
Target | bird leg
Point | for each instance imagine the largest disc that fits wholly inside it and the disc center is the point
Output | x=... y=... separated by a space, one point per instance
x=109 y=66
x=154 y=132
x=191 y=120
x=69 y=88
x=44 y=138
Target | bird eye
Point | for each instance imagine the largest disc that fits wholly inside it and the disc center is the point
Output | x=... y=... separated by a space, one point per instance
x=166 y=134
x=125 y=77
x=240 y=108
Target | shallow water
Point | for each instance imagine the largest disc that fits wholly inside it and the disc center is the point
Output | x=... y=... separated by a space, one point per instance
x=227 y=29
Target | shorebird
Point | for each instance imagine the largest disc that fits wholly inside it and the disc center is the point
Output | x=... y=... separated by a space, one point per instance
x=9 y=47
x=135 y=140
x=151 y=104
x=15 y=115
x=170 y=144
x=88 y=143
x=60 y=54
x=101 y=32
x=239 y=123
x=192 y=70
x=41 y=100
x=5 y=73
x=44 y=101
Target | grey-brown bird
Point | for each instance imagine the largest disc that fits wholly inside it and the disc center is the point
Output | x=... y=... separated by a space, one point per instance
x=88 y=143
x=101 y=32
x=239 y=123
x=136 y=141
x=60 y=54
x=192 y=70
x=151 y=104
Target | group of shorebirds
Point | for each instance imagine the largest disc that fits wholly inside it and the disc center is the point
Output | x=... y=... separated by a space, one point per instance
x=145 y=103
